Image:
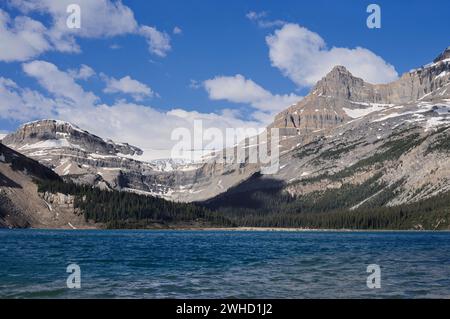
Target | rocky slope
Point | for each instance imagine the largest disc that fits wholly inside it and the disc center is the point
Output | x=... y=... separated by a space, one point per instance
x=20 y=203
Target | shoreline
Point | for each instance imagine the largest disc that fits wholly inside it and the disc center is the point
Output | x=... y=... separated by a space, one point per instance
x=280 y=229
x=238 y=229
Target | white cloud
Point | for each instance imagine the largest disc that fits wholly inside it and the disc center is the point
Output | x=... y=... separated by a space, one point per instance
x=303 y=56
x=23 y=104
x=260 y=18
x=21 y=38
x=145 y=126
x=137 y=124
x=83 y=73
x=194 y=84
x=61 y=84
x=27 y=38
x=100 y=18
x=238 y=89
x=158 y=42
x=177 y=30
x=127 y=85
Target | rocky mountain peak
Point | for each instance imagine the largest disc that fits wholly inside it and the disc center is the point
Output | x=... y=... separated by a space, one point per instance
x=443 y=56
x=60 y=134
x=337 y=76
x=340 y=70
x=339 y=83
x=340 y=97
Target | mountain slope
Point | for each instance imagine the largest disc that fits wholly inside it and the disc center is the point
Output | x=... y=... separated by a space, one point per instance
x=20 y=203
x=362 y=144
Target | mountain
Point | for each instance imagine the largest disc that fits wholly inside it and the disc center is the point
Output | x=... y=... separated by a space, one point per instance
x=21 y=205
x=82 y=157
x=340 y=97
x=347 y=134
x=350 y=144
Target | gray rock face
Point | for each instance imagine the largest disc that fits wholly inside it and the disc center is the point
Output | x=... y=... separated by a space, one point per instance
x=339 y=91
x=53 y=133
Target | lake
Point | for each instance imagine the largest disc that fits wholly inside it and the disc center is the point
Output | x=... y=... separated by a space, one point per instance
x=223 y=264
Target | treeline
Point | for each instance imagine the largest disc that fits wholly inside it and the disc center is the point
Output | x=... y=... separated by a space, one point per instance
x=128 y=210
x=424 y=215
x=360 y=206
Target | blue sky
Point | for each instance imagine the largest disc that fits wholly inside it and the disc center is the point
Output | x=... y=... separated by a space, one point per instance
x=223 y=42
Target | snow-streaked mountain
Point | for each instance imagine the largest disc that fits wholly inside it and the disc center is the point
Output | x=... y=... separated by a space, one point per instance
x=345 y=132
x=83 y=157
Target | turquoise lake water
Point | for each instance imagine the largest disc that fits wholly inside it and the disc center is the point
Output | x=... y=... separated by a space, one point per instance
x=221 y=264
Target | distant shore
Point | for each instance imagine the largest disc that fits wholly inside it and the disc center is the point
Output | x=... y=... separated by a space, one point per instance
x=243 y=229
x=275 y=229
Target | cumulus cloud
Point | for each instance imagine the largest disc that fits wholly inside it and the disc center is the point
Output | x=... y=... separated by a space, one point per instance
x=303 y=56
x=127 y=85
x=21 y=38
x=158 y=42
x=99 y=19
x=137 y=124
x=23 y=104
x=238 y=89
x=83 y=73
x=61 y=84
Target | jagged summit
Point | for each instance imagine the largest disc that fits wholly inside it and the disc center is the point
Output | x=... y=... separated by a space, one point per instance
x=338 y=83
x=337 y=74
x=443 y=56
x=339 y=69
x=340 y=97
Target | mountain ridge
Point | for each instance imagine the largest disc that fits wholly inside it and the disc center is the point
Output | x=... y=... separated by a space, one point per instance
x=342 y=122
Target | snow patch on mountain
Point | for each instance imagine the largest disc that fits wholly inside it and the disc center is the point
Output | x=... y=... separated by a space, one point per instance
x=49 y=144
x=357 y=113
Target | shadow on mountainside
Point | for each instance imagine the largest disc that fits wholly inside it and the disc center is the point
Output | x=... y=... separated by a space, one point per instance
x=7 y=182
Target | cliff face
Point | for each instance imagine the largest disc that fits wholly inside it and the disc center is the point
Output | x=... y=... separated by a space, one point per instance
x=53 y=133
x=333 y=98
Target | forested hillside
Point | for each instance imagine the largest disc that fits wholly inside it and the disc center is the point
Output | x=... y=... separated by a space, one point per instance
x=333 y=209
x=128 y=210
